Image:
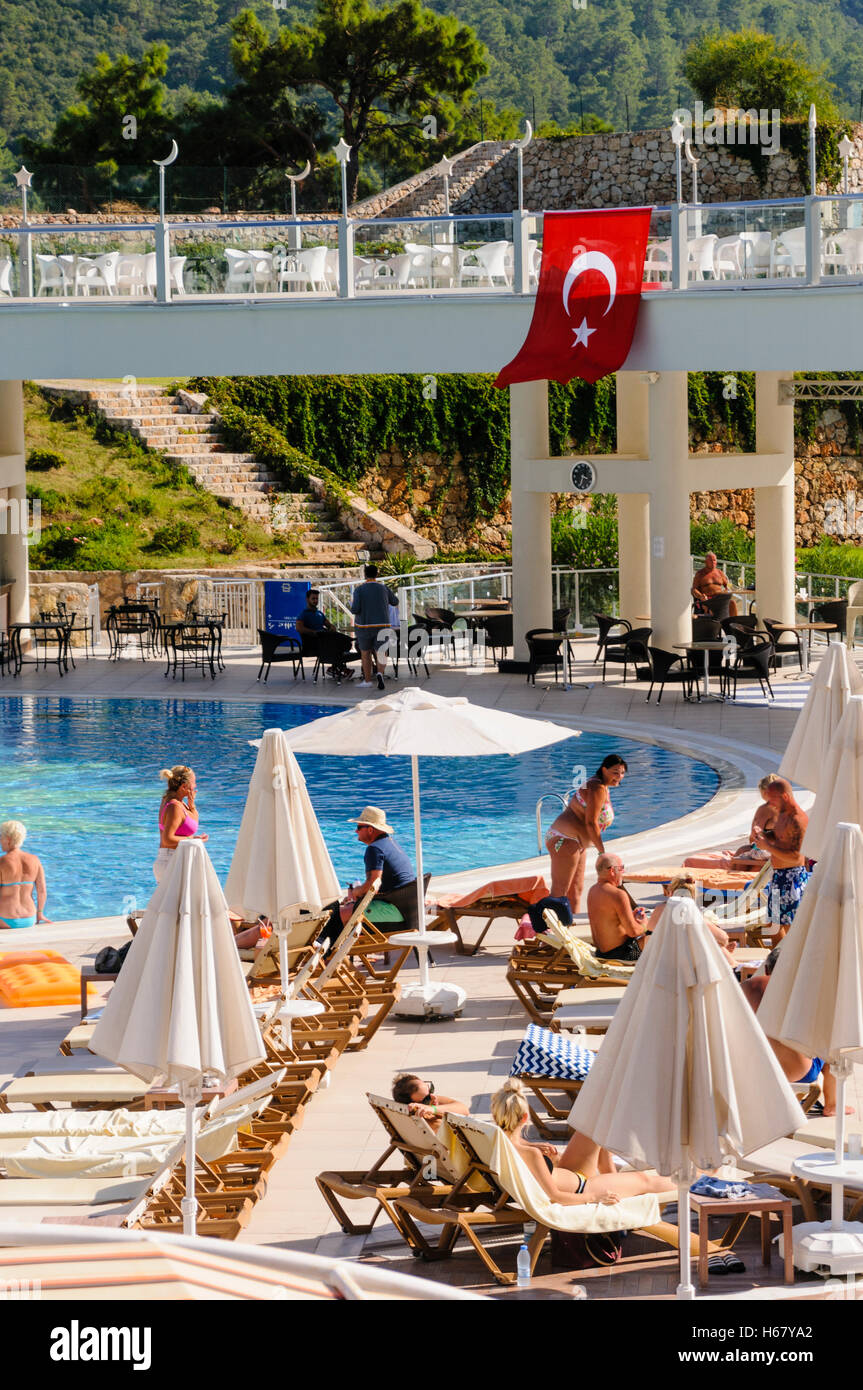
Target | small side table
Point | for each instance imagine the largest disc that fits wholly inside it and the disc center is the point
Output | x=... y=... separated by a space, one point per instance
x=766 y=1200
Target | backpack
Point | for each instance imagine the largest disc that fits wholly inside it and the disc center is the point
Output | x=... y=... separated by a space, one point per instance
x=109 y=960
x=560 y=906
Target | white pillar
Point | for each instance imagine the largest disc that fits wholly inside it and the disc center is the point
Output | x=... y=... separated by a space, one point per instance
x=633 y=508
x=531 y=514
x=670 y=569
x=774 y=506
x=13 y=549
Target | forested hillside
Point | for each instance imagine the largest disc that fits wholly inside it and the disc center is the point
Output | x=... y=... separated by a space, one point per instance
x=546 y=57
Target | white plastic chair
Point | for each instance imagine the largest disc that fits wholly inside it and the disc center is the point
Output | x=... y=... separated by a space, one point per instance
x=176 y=266
x=420 y=264
x=6 y=276
x=702 y=257
x=131 y=275
x=788 y=252
x=756 y=253
x=853 y=611
x=51 y=275
x=241 y=271
x=657 y=262
x=728 y=258
x=844 y=252
x=490 y=265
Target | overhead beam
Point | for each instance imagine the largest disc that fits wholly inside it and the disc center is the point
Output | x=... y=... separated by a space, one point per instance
x=626 y=474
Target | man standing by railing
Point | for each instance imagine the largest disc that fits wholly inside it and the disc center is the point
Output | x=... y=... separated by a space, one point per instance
x=370 y=606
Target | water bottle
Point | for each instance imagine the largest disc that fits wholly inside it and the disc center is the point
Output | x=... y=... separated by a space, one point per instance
x=522 y=1265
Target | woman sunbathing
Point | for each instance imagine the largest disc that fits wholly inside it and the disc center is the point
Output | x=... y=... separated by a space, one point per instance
x=584 y=1172
x=748 y=857
x=684 y=887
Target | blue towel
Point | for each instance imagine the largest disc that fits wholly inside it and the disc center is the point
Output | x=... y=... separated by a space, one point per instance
x=707 y=1186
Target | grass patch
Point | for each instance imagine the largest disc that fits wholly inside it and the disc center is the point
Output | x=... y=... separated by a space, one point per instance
x=106 y=499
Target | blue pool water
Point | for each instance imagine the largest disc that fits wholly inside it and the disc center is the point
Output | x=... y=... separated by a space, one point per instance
x=83 y=775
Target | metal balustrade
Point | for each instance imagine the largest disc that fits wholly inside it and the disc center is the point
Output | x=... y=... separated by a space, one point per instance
x=692 y=248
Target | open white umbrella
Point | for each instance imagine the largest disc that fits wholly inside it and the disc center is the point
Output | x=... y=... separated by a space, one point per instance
x=835 y=681
x=685 y=1077
x=414 y=723
x=180 y=1008
x=281 y=861
x=814 y=1003
x=840 y=795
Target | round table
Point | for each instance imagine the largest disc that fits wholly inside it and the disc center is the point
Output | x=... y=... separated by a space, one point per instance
x=707 y=648
x=837 y=1243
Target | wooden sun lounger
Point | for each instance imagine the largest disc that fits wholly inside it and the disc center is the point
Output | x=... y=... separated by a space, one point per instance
x=425 y=1172
x=475 y=1137
x=495 y=900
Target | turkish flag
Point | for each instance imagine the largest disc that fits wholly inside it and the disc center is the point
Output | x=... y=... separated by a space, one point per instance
x=588 y=296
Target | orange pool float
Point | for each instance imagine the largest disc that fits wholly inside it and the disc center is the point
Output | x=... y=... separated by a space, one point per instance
x=43 y=982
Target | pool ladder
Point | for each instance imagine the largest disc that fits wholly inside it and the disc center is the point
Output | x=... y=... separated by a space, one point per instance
x=544 y=797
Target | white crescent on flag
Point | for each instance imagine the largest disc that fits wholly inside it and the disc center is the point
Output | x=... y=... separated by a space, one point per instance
x=591 y=260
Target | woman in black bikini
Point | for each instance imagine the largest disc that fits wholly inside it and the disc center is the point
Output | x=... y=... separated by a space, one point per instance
x=584 y=1172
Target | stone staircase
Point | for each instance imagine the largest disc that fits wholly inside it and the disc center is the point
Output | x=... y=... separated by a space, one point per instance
x=422 y=195
x=167 y=424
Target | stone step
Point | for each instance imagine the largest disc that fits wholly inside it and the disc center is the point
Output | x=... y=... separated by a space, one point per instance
x=207 y=472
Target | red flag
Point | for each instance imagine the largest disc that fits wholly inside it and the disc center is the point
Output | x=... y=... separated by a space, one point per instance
x=588 y=296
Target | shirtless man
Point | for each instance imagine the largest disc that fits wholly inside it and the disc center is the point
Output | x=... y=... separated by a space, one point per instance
x=795 y=1065
x=615 y=927
x=710 y=580
x=783 y=843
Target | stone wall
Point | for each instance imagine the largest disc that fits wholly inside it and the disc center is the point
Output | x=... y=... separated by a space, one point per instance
x=434 y=502
x=828 y=493
x=628 y=169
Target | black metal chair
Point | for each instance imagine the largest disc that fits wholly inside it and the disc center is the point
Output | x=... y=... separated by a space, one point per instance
x=834 y=611
x=718 y=606
x=498 y=632
x=328 y=650
x=544 y=648
x=754 y=660
x=628 y=650
x=606 y=623
x=191 y=644
x=560 y=618
x=791 y=644
x=660 y=669
x=271 y=642
x=418 y=645
x=743 y=623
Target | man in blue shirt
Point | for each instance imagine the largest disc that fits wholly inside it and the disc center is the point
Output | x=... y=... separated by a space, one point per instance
x=388 y=871
x=311 y=623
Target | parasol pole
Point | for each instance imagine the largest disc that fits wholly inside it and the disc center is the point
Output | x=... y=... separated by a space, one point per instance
x=842 y=1070
x=686 y=1288
x=421 y=906
x=190 y=1093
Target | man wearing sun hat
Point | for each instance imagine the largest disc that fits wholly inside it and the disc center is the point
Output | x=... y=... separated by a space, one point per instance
x=388 y=869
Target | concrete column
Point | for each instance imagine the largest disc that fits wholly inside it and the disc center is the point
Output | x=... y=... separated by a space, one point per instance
x=531 y=514
x=670 y=570
x=774 y=506
x=633 y=508
x=13 y=550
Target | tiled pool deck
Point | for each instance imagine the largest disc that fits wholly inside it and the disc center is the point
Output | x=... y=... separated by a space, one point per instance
x=466 y=1058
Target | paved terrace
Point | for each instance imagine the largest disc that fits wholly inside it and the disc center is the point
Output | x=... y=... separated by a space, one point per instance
x=469 y=1057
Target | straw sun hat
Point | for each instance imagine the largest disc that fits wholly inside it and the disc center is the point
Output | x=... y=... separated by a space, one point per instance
x=375 y=817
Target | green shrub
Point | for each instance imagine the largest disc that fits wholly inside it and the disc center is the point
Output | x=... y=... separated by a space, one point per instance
x=43 y=460
x=173 y=537
x=592 y=545
x=63 y=547
x=828 y=558
x=727 y=541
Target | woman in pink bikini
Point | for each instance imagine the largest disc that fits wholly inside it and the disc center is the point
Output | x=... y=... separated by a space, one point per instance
x=178 y=816
x=587 y=815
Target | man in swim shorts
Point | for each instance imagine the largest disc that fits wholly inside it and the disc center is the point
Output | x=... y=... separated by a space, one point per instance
x=617 y=928
x=783 y=842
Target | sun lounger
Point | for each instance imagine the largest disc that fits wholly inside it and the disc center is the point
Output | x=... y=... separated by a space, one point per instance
x=263 y=967
x=559 y=960
x=499 y=898
x=425 y=1172
x=519 y=1199
x=553 y=1067
x=746 y=913
x=592 y=1011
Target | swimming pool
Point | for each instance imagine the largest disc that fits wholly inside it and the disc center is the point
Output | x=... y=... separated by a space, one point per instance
x=84 y=777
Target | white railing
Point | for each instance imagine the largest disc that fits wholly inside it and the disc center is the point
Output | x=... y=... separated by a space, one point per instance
x=242 y=600
x=692 y=247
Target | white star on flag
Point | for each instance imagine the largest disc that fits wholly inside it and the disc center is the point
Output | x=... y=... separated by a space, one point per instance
x=582 y=333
